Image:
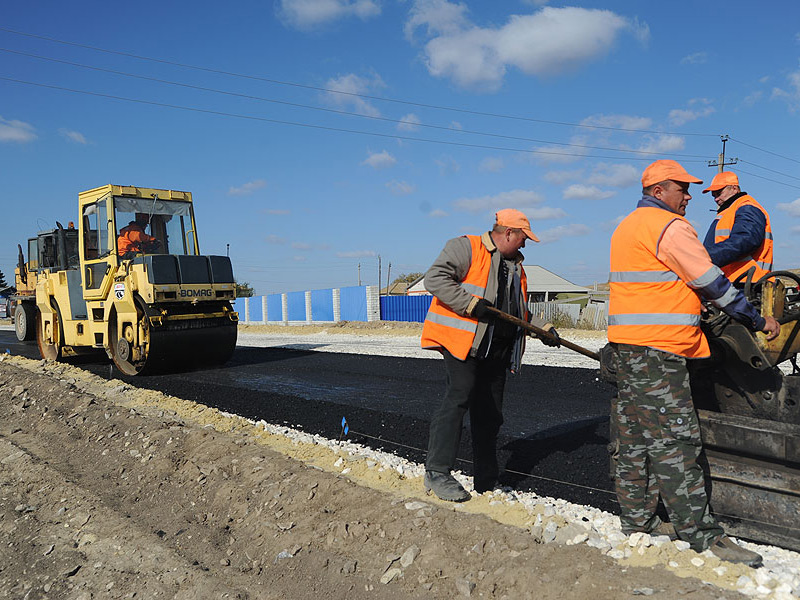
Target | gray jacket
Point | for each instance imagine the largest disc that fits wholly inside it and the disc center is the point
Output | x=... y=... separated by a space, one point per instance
x=444 y=278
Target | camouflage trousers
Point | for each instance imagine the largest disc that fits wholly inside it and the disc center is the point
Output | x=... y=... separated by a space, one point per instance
x=659 y=446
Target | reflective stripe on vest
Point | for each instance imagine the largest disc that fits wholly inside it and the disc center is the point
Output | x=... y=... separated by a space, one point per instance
x=761 y=258
x=649 y=304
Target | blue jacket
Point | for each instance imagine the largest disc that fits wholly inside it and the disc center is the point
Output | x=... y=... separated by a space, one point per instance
x=747 y=234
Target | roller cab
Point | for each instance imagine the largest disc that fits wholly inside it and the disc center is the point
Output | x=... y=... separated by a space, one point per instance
x=140 y=289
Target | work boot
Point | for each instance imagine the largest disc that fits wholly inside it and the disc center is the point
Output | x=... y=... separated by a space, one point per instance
x=485 y=486
x=445 y=486
x=726 y=549
x=665 y=528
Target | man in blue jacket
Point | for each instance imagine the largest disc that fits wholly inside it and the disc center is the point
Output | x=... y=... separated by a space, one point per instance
x=740 y=238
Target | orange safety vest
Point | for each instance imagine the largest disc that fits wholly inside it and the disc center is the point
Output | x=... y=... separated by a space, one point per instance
x=131 y=238
x=649 y=304
x=761 y=258
x=445 y=328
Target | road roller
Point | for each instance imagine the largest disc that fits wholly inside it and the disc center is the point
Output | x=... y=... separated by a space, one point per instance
x=150 y=300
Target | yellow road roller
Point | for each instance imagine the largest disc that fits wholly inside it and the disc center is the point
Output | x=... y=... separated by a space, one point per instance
x=136 y=286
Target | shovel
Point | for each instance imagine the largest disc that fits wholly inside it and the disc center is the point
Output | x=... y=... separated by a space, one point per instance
x=542 y=333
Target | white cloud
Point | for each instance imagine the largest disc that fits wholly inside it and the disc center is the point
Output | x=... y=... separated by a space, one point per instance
x=519 y=199
x=440 y=17
x=618 y=121
x=614 y=175
x=663 y=143
x=612 y=224
x=379 y=160
x=580 y=191
x=351 y=86
x=400 y=188
x=456 y=125
x=793 y=208
x=16 y=131
x=301 y=246
x=74 y=136
x=543 y=213
x=247 y=189
x=277 y=211
x=563 y=231
x=562 y=177
x=696 y=58
x=548 y=42
x=752 y=99
x=309 y=14
x=491 y=164
x=447 y=165
x=357 y=254
x=679 y=116
x=299 y=258
x=438 y=213
x=410 y=122
x=274 y=239
x=792 y=96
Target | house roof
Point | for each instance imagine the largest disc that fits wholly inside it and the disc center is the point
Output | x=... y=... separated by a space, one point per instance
x=539 y=280
x=542 y=280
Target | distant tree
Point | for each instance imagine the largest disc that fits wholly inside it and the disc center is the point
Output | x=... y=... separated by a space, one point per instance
x=243 y=290
x=3 y=283
x=407 y=278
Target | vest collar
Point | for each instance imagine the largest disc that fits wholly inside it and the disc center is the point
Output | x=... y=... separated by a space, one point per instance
x=730 y=201
x=652 y=202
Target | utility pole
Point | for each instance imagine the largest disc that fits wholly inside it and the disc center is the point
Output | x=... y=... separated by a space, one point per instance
x=227 y=250
x=720 y=162
x=379 y=274
x=359 y=274
x=388 y=278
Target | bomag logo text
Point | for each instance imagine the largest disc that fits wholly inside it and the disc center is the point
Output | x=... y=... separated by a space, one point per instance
x=195 y=293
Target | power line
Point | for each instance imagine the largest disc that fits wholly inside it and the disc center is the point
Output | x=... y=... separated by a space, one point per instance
x=341 y=92
x=332 y=110
x=797 y=187
x=312 y=126
x=763 y=150
x=747 y=162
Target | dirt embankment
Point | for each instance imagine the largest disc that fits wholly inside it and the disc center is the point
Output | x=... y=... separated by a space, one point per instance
x=112 y=492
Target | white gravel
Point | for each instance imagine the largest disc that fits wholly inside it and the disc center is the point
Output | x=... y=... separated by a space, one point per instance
x=536 y=353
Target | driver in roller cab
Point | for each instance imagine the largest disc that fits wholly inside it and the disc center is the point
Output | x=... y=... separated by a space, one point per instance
x=133 y=239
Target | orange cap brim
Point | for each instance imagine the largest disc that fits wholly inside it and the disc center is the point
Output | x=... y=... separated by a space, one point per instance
x=530 y=234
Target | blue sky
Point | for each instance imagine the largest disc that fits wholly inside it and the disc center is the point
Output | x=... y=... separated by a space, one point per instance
x=450 y=111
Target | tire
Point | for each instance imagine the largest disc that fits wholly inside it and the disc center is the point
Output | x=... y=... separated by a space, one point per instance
x=120 y=351
x=25 y=317
x=47 y=350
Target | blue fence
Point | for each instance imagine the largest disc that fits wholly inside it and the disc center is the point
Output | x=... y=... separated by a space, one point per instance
x=274 y=307
x=322 y=305
x=405 y=308
x=353 y=303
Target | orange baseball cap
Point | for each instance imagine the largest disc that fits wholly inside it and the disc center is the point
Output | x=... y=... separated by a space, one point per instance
x=721 y=180
x=663 y=170
x=510 y=217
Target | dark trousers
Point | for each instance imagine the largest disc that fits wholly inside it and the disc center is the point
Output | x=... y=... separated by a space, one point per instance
x=476 y=385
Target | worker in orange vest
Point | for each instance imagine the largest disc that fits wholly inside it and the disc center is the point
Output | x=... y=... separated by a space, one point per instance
x=473 y=273
x=740 y=238
x=659 y=272
x=132 y=238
